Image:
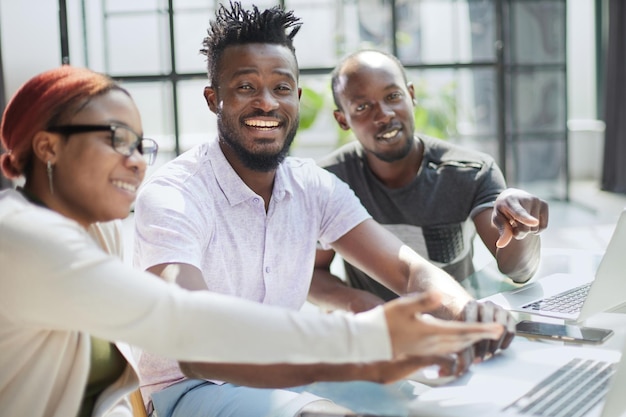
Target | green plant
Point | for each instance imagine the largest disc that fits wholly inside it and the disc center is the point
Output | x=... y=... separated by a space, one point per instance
x=311 y=102
x=436 y=112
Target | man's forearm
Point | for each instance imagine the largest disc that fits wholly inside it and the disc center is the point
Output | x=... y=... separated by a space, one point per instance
x=274 y=376
x=287 y=375
x=425 y=276
x=330 y=293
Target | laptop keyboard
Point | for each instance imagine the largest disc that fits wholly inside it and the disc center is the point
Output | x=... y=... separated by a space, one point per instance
x=570 y=391
x=566 y=302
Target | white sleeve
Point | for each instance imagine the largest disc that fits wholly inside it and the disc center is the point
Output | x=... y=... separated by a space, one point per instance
x=343 y=211
x=59 y=279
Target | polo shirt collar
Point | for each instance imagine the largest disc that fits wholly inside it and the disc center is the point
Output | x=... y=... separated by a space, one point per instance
x=233 y=187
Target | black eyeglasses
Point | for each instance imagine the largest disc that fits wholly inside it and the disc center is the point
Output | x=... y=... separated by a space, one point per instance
x=123 y=140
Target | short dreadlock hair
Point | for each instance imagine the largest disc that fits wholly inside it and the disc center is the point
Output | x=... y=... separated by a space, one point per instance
x=237 y=26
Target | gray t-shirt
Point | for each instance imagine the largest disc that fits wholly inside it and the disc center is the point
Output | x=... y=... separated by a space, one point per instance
x=433 y=214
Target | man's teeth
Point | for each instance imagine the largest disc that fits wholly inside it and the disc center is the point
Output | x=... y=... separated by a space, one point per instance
x=125 y=186
x=261 y=123
x=390 y=134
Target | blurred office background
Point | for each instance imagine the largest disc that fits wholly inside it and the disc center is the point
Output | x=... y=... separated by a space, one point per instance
x=532 y=82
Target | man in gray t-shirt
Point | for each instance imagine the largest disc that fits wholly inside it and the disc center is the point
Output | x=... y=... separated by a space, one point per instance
x=432 y=213
x=432 y=194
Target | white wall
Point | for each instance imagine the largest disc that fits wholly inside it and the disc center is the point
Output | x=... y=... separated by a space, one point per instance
x=581 y=59
x=586 y=134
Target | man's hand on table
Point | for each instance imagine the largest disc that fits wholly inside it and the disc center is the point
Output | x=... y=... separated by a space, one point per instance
x=486 y=312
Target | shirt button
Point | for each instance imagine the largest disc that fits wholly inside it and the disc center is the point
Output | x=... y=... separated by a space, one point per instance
x=256 y=200
x=267 y=269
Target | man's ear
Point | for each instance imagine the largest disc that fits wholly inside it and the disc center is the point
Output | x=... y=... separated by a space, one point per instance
x=211 y=98
x=46 y=146
x=411 y=88
x=341 y=119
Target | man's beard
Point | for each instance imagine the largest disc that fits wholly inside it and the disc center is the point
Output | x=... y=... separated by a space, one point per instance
x=396 y=156
x=262 y=162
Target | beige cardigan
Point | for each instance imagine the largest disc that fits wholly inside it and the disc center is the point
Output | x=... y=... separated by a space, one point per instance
x=58 y=287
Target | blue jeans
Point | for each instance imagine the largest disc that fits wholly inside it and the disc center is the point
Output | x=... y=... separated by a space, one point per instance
x=199 y=398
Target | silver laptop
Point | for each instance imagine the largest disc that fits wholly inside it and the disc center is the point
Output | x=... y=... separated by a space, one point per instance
x=535 y=380
x=576 y=297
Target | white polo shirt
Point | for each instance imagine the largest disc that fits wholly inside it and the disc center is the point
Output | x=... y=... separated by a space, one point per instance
x=197 y=210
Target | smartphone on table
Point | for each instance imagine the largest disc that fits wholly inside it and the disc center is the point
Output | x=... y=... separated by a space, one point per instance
x=562 y=332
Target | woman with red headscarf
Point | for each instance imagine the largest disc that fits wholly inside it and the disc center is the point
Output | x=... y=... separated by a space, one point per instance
x=75 y=136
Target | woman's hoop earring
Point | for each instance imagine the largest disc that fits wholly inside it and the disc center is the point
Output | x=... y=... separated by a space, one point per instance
x=49 y=169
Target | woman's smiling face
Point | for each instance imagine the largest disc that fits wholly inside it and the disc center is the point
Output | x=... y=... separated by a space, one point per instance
x=92 y=181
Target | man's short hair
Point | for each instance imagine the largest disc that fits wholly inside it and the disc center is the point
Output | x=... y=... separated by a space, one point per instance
x=238 y=26
x=334 y=80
